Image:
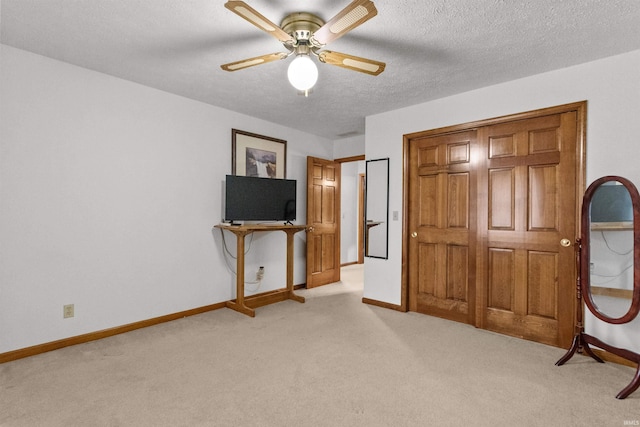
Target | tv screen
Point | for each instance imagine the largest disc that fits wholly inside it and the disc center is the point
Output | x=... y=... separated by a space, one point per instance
x=611 y=203
x=259 y=199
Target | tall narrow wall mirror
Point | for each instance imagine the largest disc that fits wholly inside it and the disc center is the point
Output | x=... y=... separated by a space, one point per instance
x=376 y=226
x=608 y=254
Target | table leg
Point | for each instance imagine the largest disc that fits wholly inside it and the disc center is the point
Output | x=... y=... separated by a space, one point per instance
x=239 y=305
x=292 y=296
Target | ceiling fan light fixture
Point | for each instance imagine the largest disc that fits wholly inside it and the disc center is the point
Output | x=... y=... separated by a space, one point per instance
x=304 y=34
x=302 y=73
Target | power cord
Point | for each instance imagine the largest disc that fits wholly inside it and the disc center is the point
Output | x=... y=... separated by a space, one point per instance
x=227 y=253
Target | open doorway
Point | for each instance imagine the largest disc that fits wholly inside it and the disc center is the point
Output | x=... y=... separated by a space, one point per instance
x=352 y=210
x=326 y=215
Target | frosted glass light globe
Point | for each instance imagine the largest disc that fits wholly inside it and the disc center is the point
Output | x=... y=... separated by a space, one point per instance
x=302 y=73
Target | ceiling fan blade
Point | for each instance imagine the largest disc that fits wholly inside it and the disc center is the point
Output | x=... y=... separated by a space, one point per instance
x=357 y=13
x=355 y=63
x=245 y=11
x=258 y=60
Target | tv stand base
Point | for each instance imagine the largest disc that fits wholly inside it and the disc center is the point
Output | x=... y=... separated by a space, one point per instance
x=255 y=301
x=248 y=305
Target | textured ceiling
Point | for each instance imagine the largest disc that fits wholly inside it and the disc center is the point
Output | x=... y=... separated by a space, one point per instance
x=432 y=49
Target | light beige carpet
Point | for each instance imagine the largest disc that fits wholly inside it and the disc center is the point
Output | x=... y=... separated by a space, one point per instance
x=332 y=361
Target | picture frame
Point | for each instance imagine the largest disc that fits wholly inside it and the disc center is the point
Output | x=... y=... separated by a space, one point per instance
x=258 y=155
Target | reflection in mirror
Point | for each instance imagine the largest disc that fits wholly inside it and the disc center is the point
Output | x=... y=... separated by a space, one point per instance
x=377 y=208
x=611 y=250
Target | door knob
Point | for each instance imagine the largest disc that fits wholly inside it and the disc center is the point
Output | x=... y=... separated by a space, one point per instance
x=310 y=229
x=565 y=243
x=414 y=234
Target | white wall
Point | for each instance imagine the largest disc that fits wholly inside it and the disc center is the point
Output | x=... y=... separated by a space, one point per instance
x=109 y=191
x=612 y=88
x=348 y=147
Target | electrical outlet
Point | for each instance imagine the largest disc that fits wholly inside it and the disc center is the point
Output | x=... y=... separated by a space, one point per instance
x=67 y=311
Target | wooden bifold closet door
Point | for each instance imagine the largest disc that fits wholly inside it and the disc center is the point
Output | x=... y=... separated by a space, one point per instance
x=442 y=247
x=488 y=210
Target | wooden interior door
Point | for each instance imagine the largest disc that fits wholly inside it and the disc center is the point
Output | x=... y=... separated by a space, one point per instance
x=442 y=226
x=526 y=280
x=323 y=220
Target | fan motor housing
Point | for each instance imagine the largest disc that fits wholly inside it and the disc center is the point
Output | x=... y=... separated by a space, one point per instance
x=301 y=25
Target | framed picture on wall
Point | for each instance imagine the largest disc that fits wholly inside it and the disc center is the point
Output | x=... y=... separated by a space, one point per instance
x=257 y=155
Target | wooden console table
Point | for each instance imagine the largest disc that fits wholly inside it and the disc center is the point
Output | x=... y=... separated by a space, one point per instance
x=247 y=306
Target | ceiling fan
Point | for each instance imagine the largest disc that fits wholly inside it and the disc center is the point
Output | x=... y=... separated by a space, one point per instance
x=304 y=34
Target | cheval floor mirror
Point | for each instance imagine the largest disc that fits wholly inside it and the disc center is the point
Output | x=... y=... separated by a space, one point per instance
x=608 y=258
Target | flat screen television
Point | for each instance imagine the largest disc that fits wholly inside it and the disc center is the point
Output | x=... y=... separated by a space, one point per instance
x=259 y=199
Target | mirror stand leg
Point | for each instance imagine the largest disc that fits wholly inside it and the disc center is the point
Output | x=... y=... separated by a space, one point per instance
x=633 y=385
x=590 y=352
x=580 y=344
x=575 y=346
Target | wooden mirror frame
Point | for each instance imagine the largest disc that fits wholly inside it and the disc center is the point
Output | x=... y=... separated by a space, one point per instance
x=581 y=340
x=586 y=250
x=376 y=190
